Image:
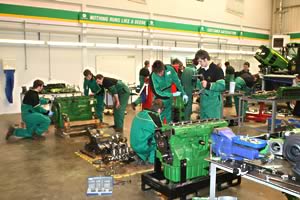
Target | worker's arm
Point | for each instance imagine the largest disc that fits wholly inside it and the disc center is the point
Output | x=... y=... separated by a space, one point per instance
x=176 y=80
x=114 y=93
x=158 y=92
x=219 y=85
x=85 y=88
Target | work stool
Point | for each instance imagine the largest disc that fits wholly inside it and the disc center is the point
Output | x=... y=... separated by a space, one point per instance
x=261 y=116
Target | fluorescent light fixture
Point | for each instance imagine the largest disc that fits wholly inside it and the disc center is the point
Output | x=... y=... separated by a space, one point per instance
x=12 y=41
x=119 y=46
x=70 y=44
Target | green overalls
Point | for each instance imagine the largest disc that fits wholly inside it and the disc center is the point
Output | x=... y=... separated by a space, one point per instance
x=161 y=86
x=142 y=131
x=35 y=118
x=98 y=94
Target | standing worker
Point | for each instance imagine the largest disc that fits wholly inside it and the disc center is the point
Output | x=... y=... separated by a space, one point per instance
x=161 y=80
x=142 y=131
x=120 y=93
x=246 y=69
x=211 y=86
x=98 y=93
x=188 y=81
x=33 y=114
x=229 y=77
x=244 y=83
x=144 y=74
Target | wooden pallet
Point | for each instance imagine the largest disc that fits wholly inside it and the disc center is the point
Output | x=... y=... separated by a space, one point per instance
x=77 y=128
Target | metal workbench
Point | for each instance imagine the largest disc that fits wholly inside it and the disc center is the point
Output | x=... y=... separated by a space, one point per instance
x=292 y=189
x=273 y=102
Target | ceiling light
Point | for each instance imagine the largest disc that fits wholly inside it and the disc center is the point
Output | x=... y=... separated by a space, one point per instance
x=12 y=41
x=71 y=44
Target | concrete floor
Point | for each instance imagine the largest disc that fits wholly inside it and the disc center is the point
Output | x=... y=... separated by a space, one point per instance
x=49 y=169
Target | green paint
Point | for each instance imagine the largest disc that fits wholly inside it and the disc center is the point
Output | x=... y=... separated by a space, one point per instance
x=295 y=35
x=174 y=26
x=129 y=21
x=38 y=12
x=255 y=35
x=112 y=19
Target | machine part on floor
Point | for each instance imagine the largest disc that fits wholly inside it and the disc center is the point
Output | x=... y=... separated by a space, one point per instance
x=73 y=112
x=227 y=145
x=182 y=148
x=110 y=147
x=276 y=146
x=87 y=154
x=157 y=181
x=178 y=109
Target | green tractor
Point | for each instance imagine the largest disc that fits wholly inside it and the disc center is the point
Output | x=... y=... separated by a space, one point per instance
x=285 y=62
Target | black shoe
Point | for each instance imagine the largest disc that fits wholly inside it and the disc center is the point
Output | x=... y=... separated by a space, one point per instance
x=10 y=132
x=119 y=130
x=38 y=137
x=133 y=105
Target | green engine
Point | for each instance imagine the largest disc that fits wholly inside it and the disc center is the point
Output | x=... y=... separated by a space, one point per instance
x=75 y=108
x=182 y=148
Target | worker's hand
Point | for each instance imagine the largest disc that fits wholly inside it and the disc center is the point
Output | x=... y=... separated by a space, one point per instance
x=176 y=94
x=117 y=104
x=185 y=98
x=204 y=83
x=50 y=113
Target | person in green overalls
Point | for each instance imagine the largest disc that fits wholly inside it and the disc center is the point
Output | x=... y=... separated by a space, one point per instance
x=120 y=93
x=142 y=131
x=97 y=91
x=188 y=81
x=229 y=77
x=143 y=74
x=211 y=86
x=161 y=80
x=33 y=114
x=244 y=83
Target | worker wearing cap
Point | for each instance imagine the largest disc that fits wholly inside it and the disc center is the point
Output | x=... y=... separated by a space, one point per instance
x=142 y=131
x=143 y=75
x=33 y=114
x=97 y=91
x=120 y=93
x=211 y=86
x=161 y=80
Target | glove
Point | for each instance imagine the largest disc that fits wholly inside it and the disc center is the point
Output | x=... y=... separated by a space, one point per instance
x=185 y=98
x=176 y=94
x=50 y=113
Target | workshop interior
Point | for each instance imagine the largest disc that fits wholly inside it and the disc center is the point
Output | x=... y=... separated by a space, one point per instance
x=149 y=99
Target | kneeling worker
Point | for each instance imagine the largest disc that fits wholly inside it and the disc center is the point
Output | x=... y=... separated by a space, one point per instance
x=143 y=126
x=120 y=93
x=33 y=114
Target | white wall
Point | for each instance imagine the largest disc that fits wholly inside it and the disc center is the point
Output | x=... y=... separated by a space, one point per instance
x=66 y=64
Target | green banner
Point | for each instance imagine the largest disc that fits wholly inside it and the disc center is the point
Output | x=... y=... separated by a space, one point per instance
x=295 y=35
x=219 y=31
x=112 y=19
x=38 y=12
x=86 y=17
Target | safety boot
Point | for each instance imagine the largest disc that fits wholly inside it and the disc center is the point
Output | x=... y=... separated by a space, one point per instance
x=10 y=132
